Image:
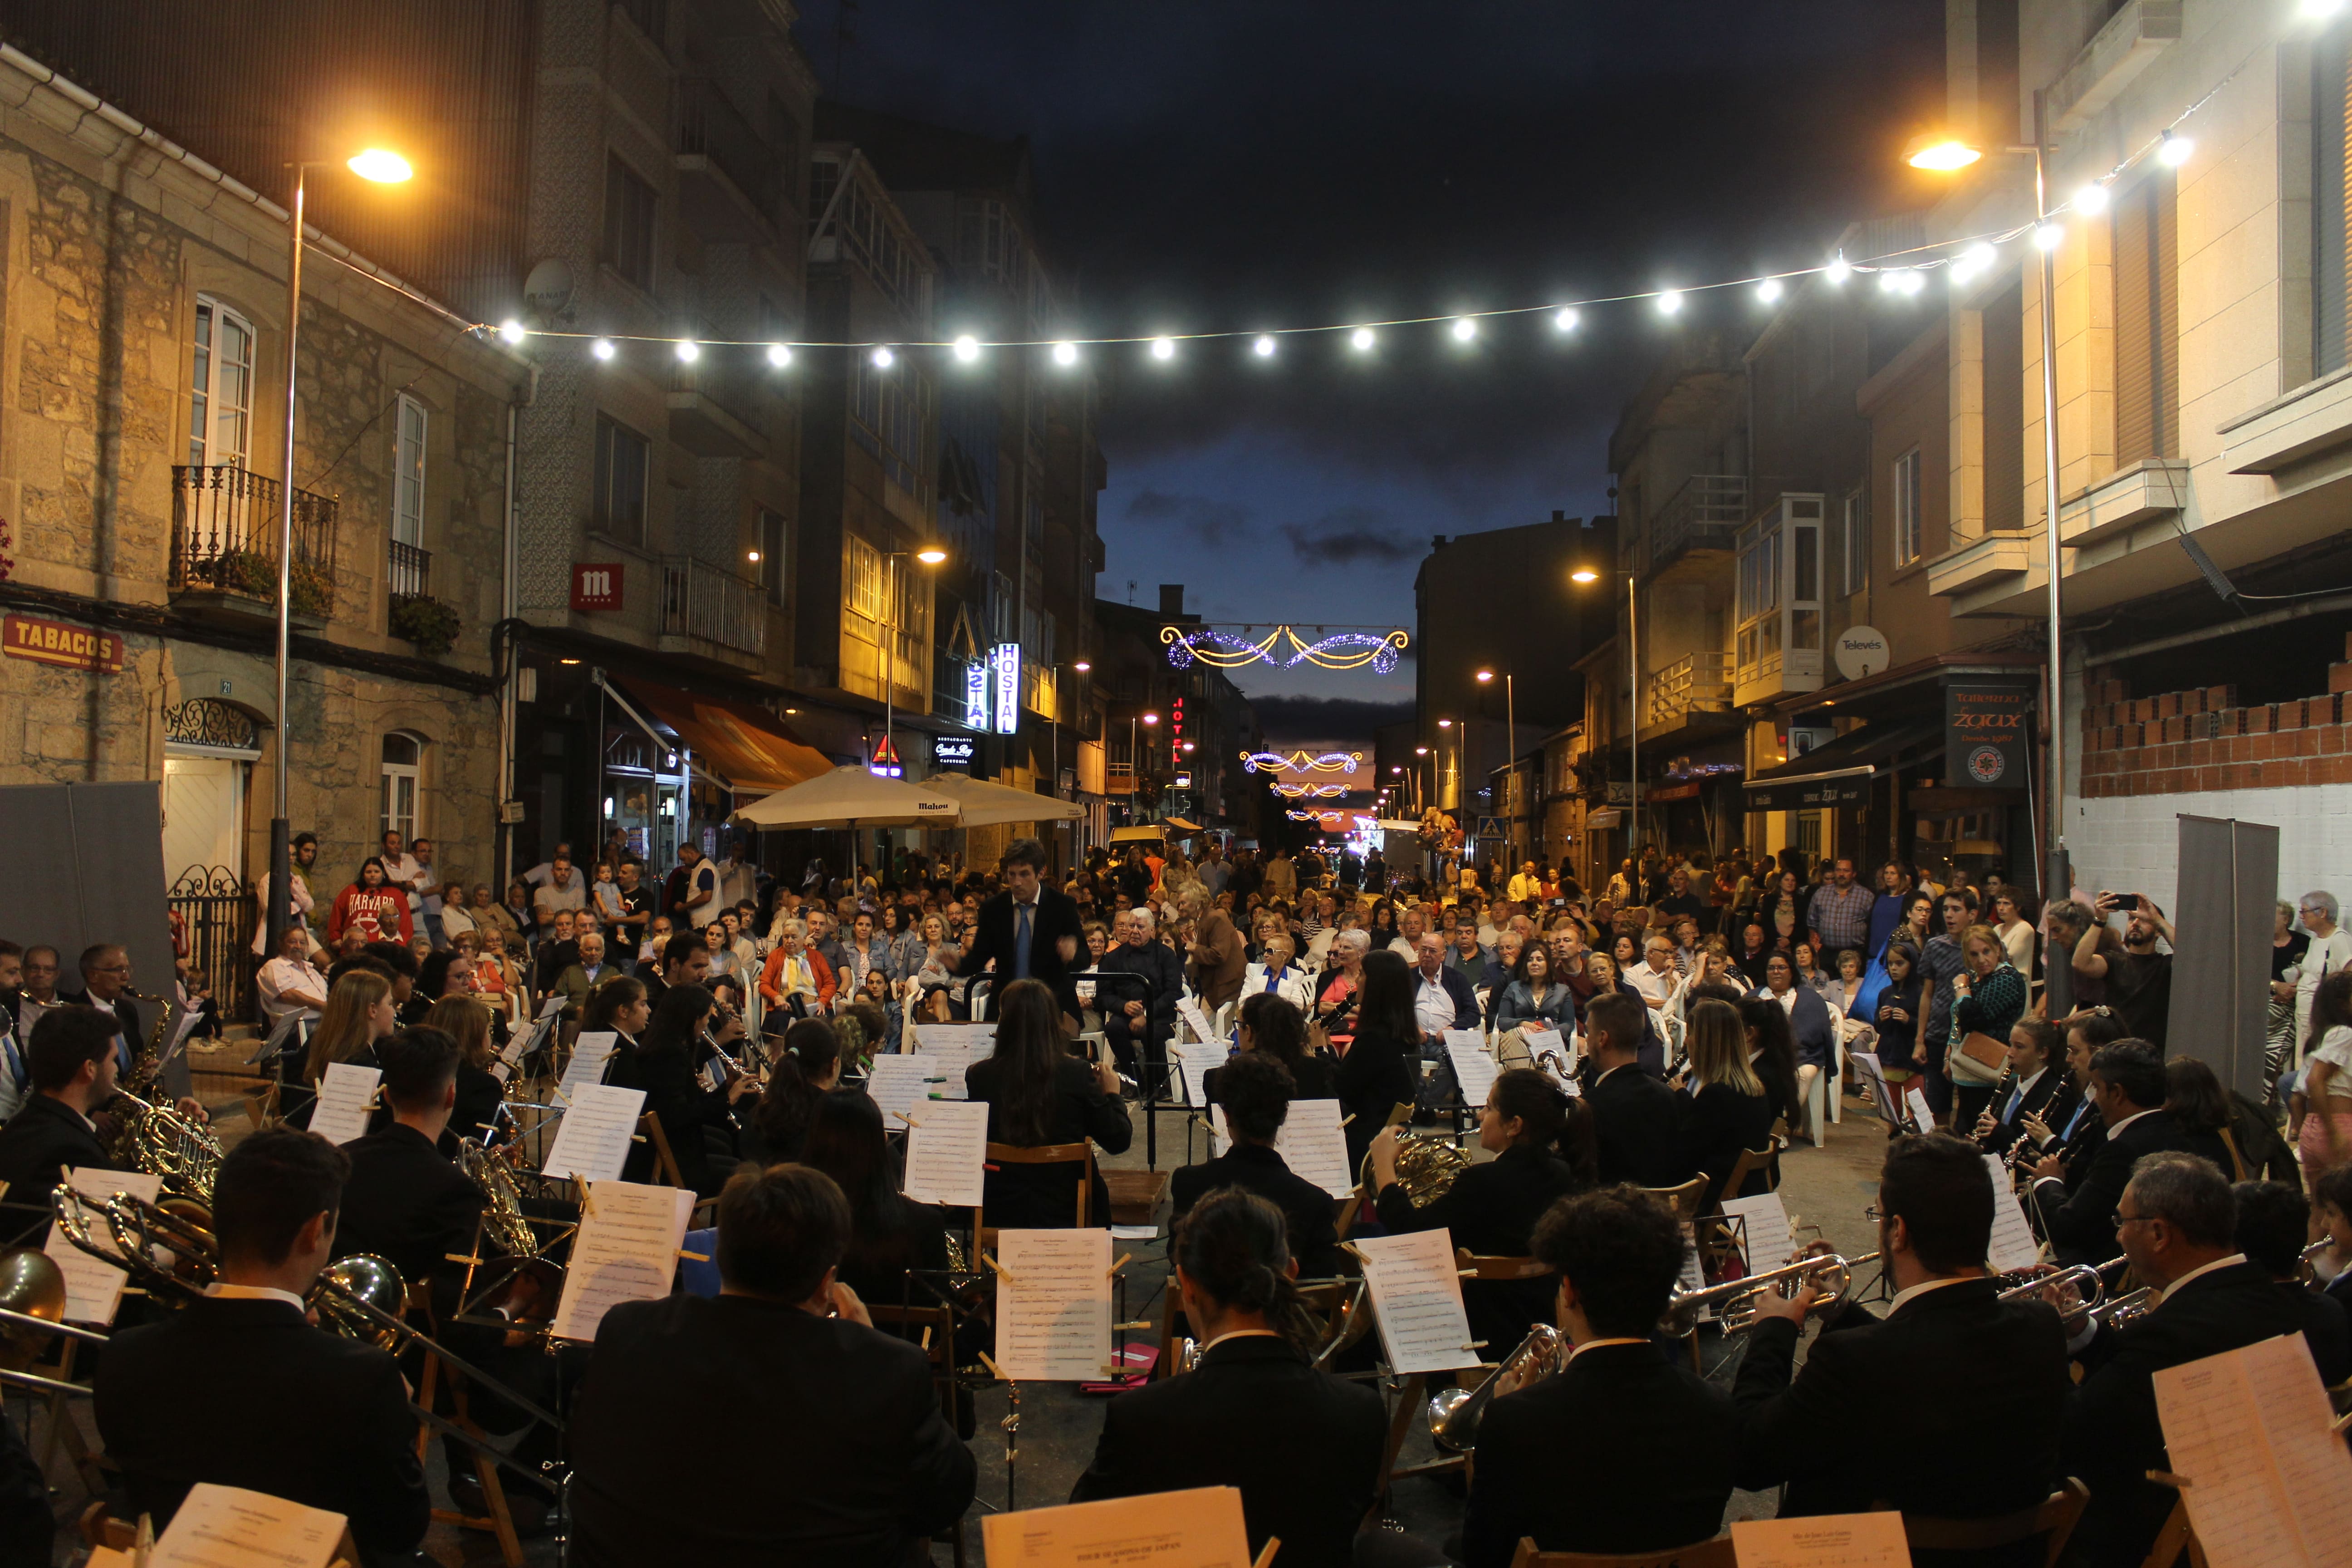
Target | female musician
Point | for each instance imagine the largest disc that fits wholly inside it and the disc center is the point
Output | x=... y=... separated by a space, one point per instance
x=360 y=1011
x=2068 y=1133
x=619 y=1007
x=669 y=1064
x=480 y=1113
x=1272 y=1025
x=1379 y=1072
x=1772 y=1052
x=1728 y=1111
x=889 y=1232
x=2027 y=1089
x=1534 y=995
x=2202 y=1116
x=1544 y=1148
x=1038 y=1093
x=1988 y=997
x=378 y=911
x=806 y=1070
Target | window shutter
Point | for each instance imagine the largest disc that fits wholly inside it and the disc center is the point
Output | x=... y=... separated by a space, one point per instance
x=2004 y=410
x=2134 y=259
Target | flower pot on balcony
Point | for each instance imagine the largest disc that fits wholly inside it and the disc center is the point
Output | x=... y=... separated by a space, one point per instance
x=425 y=621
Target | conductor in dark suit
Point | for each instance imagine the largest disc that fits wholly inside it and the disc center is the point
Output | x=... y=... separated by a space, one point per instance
x=2126 y=1086
x=2030 y=1089
x=780 y=1377
x=1255 y=1090
x=1303 y=1446
x=1950 y=1375
x=1029 y=932
x=1635 y=1119
x=2179 y=1229
x=70 y=1065
x=315 y=1418
x=1552 y=1456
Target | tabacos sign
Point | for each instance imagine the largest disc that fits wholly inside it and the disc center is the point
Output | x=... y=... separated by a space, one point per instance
x=1984 y=735
x=56 y=642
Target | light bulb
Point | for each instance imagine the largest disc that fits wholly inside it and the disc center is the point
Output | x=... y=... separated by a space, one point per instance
x=2321 y=10
x=1669 y=302
x=1465 y=329
x=1837 y=271
x=778 y=355
x=883 y=358
x=601 y=348
x=1066 y=354
x=2050 y=235
x=1566 y=321
x=510 y=329
x=1973 y=260
x=689 y=351
x=967 y=347
x=2173 y=151
x=2091 y=200
x=1769 y=290
x=1163 y=348
x=1262 y=347
x=1363 y=338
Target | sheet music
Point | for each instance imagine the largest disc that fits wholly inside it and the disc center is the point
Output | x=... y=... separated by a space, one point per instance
x=1198 y=1528
x=1196 y=1018
x=229 y=1527
x=1474 y=1070
x=1692 y=1277
x=94 y=1289
x=627 y=1250
x=592 y=1141
x=346 y=1099
x=1053 y=1315
x=2272 y=1488
x=947 y=1150
x=1417 y=1297
x=2013 y=1245
x=895 y=1084
x=550 y=1008
x=1770 y=1245
x=590 y=1052
x=950 y=1048
x=1314 y=1145
x=1194 y=1061
x=1822 y=1541
x=1221 y=1137
x=1874 y=1077
x=1923 y=1119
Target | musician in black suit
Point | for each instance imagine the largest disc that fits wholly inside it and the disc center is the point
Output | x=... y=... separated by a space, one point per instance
x=1255 y=1090
x=1492 y=1207
x=2030 y=1089
x=1635 y=1120
x=1552 y=1456
x=2070 y=1128
x=2126 y=1085
x=1028 y=931
x=314 y=1417
x=106 y=983
x=1950 y=1377
x=2179 y=1223
x=2273 y=1218
x=2331 y=1202
x=782 y=1378
x=71 y=1064
x=1303 y=1446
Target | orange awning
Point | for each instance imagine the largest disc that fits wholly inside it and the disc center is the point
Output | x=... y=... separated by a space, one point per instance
x=745 y=745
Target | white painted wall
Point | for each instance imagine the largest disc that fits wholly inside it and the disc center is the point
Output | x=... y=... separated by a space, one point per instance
x=2133 y=845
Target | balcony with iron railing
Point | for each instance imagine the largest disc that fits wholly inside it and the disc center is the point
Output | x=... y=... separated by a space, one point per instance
x=409 y=569
x=727 y=183
x=1694 y=683
x=225 y=528
x=1703 y=515
x=710 y=611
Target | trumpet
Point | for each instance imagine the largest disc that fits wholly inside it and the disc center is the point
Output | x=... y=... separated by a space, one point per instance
x=2306 y=1267
x=2087 y=1285
x=1455 y=1413
x=1829 y=1274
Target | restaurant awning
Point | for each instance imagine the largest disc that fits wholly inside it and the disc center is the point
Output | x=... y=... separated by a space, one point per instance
x=747 y=746
x=1840 y=771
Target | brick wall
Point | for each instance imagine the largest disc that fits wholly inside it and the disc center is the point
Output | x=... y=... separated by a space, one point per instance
x=2202 y=740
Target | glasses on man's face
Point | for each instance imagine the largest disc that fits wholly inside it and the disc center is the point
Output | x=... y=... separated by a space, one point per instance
x=2122 y=1219
x=1876 y=1215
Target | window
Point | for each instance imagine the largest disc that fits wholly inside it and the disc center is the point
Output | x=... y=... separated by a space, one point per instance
x=2148 y=323
x=622 y=460
x=890 y=409
x=220 y=388
x=1908 y=544
x=408 y=473
x=403 y=758
x=628 y=223
x=1857 y=541
x=2003 y=336
x=2331 y=261
x=864 y=593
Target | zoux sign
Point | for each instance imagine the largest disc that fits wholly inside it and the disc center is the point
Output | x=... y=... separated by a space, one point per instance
x=1984 y=734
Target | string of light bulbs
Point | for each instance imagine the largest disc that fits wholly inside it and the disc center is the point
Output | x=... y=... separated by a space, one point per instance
x=1962 y=257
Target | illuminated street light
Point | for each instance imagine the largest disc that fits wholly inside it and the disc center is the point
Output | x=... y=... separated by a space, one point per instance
x=1940 y=153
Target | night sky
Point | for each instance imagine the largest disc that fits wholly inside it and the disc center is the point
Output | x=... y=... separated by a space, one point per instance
x=1212 y=165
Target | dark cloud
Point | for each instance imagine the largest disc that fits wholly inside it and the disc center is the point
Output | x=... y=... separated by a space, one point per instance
x=1207 y=519
x=1352 y=719
x=1352 y=534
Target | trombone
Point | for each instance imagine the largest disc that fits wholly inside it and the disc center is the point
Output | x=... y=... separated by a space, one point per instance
x=1830 y=1274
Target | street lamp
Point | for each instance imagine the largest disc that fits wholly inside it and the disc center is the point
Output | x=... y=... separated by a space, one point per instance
x=1510 y=739
x=384 y=168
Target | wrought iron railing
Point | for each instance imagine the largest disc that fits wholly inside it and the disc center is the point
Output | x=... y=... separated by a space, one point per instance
x=1694 y=680
x=410 y=569
x=224 y=522
x=699 y=600
x=215 y=914
x=1705 y=514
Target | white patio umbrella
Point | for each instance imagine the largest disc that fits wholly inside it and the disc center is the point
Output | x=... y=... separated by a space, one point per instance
x=985 y=804
x=850 y=797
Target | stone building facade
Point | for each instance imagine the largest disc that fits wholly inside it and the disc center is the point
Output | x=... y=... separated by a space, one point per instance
x=143 y=314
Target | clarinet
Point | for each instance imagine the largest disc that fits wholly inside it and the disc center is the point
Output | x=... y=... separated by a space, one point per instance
x=2025 y=1145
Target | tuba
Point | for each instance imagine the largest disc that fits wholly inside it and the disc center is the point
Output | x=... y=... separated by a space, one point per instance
x=1455 y=1413
x=521 y=1284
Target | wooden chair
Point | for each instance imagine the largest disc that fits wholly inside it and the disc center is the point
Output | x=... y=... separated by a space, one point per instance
x=1751 y=1160
x=500 y=1523
x=1714 y=1554
x=99 y=1529
x=649 y=1129
x=1081 y=1153
x=2178 y=1535
x=1498 y=1267
x=2053 y=1519
x=937 y=1341
x=1684 y=1200
x=2229 y=1142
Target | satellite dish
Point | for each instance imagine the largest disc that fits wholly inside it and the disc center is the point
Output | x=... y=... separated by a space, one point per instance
x=548 y=291
x=1861 y=651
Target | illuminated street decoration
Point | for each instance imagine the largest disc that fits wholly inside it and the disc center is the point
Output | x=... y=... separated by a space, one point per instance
x=1282 y=648
x=1302 y=790
x=1301 y=763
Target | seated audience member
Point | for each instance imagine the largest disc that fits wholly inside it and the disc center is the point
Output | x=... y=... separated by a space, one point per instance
x=2273 y=1220
x=1725 y=1111
x=2127 y=1086
x=1303 y=1446
x=1271 y=1026
x=782 y=1378
x=1950 y=1371
x=1635 y=1121
x=1039 y=1094
x=1542 y=1144
x=315 y=1418
x=1255 y=1090
x=2030 y=1089
x=890 y=1232
x=2177 y=1221
x=69 y=1065
x=1552 y=1455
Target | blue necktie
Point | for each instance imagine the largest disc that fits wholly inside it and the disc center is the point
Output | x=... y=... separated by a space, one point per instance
x=1021 y=942
x=2009 y=1111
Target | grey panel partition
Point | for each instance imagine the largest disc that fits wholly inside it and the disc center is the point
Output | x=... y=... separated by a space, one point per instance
x=2221 y=973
